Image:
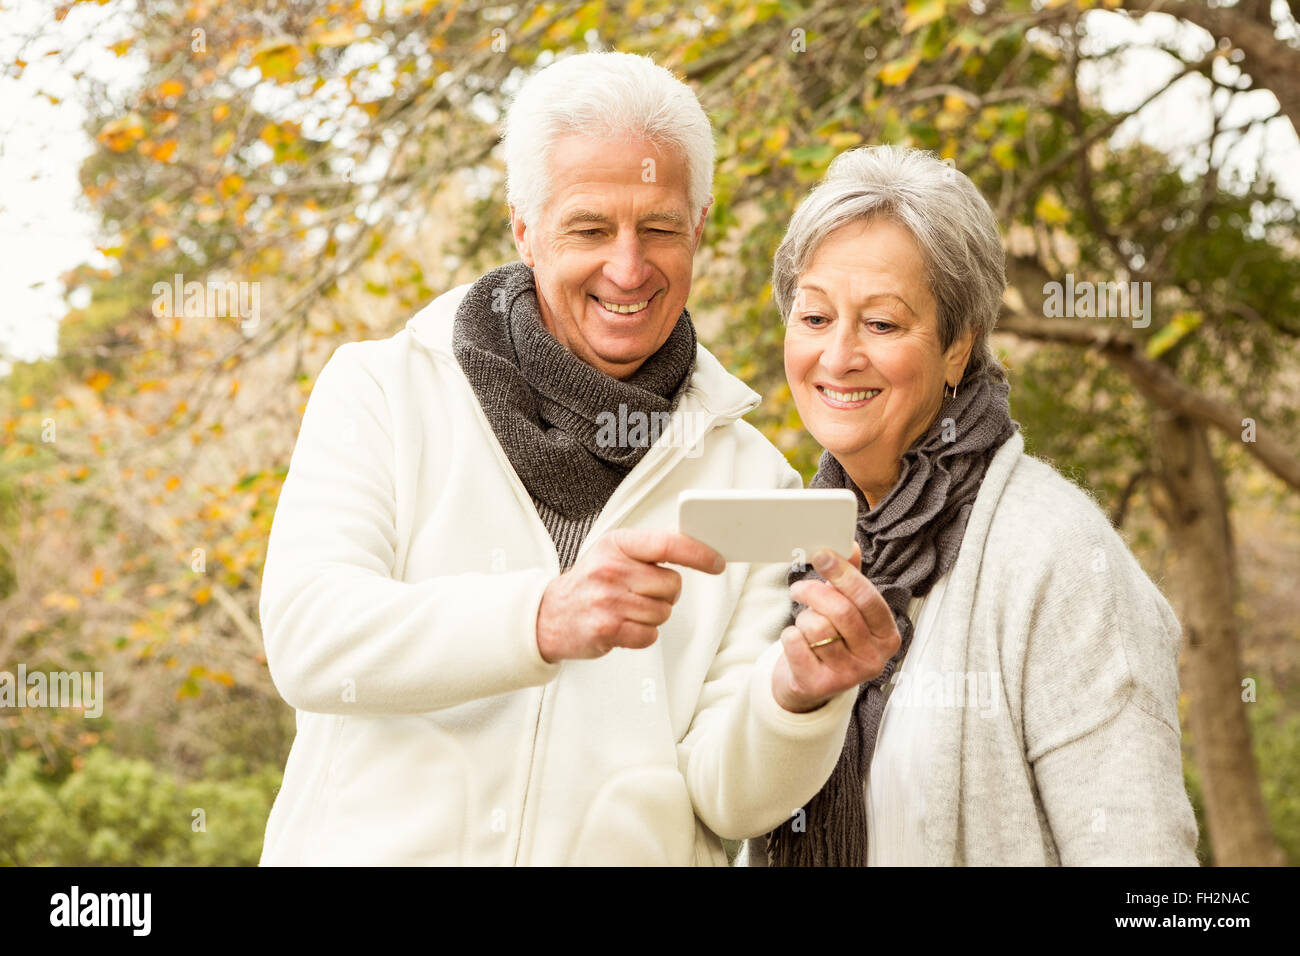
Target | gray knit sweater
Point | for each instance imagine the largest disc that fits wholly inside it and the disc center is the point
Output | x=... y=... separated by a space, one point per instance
x=1080 y=762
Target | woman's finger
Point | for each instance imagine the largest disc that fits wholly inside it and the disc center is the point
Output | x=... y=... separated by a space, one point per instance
x=817 y=631
x=849 y=580
x=831 y=604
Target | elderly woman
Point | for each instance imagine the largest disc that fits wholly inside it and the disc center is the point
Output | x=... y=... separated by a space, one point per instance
x=1030 y=715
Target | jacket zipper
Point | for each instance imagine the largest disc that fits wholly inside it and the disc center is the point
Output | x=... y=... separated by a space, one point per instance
x=526 y=501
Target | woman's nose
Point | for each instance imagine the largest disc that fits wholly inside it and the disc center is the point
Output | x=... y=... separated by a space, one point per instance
x=844 y=351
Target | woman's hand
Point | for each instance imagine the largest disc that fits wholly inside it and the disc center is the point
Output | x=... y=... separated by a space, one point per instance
x=849 y=607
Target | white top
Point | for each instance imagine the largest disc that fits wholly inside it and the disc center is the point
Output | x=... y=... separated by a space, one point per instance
x=896 y=783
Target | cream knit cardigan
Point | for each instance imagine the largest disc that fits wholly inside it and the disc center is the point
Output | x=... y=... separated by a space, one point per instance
x=1080 y=762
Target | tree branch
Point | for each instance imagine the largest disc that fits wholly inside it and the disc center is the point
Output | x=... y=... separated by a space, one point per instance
x=1154 y=380
x=1273 y=63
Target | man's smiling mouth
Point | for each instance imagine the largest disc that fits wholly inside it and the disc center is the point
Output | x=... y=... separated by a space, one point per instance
x=622 y=308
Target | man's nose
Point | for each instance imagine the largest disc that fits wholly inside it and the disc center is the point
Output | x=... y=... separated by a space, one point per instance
x=627 y=267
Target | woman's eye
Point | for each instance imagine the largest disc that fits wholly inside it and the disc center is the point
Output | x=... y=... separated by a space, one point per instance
x=815 y=321
x=879 y=325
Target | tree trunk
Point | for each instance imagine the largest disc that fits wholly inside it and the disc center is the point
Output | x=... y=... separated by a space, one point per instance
x=1194 y=506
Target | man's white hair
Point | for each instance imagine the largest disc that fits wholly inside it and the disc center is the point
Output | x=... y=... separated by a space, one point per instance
x=604 y=96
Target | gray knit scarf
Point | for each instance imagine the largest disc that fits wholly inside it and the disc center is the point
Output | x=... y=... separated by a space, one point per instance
x=545 y=404
x=909 y=540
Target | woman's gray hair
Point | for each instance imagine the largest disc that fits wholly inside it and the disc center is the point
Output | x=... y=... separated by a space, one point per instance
x=950 y=221
x=603 y=96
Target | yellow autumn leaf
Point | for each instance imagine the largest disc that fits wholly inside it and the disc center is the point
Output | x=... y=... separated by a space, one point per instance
x=897 y=71
x=164 y=151
x=955 y=104
x=169 y=88
x=1048 y=209
x=123 y=133
x=203 y=595
x=919 y=13
x=278 y=59
x=172 y=483
x=99 y=380
x=220 y=112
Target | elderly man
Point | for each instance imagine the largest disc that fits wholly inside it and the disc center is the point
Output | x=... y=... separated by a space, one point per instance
x=465 y=595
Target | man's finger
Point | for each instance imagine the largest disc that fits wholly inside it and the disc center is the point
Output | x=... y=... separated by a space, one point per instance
x=669 y=547
x=656 y=582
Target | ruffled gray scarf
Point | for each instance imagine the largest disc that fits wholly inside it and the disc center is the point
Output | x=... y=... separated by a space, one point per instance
x=909 y=540
x=545 y=404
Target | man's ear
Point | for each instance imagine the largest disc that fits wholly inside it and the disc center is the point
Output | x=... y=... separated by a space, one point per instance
x=957 y=357
x=519 y=229
x=699 y=226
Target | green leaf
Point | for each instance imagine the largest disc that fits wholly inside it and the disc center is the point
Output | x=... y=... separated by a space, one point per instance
x=1179 y=327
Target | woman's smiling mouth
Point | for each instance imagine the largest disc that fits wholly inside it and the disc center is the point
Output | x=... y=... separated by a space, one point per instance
x=855 y=398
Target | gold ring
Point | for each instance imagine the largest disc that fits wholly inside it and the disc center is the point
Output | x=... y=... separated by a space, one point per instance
x=829 y=640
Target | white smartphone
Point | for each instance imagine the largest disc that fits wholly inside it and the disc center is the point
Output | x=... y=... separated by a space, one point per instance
x=768 y=526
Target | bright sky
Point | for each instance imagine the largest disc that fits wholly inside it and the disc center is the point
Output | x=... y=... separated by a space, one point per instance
x=45 y=228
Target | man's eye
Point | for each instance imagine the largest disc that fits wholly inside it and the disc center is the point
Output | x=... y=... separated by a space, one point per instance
x=663 y=232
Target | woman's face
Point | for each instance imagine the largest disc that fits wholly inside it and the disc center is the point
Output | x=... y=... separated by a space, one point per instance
x=862 y=350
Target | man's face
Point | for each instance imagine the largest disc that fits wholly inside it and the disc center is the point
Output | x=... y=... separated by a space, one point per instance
x=613 y=249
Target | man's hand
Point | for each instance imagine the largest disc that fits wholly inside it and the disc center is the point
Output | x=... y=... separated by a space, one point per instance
x=617 y=595
x=849 y=606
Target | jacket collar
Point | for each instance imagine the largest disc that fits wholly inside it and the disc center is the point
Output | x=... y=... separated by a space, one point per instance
x=715 y=389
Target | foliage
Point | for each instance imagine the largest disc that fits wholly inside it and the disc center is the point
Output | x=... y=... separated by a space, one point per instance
x=116 y=811
x=1275 y=732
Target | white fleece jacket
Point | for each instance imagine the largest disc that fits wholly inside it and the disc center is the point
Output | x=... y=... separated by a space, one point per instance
x=399 y=600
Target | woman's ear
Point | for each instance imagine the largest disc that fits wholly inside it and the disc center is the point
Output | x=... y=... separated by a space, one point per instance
x=957 y=357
